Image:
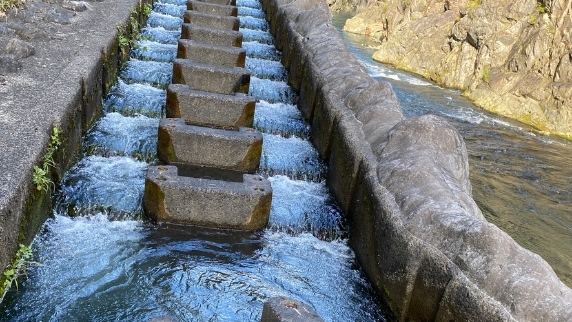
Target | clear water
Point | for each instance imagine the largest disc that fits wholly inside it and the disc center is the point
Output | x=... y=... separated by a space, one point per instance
x=521 y=181
x=101 y=262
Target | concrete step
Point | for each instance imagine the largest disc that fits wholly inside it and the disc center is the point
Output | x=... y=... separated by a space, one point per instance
x=210 y=109
x=211 y=20
x=182 y=143
x=215 y=9
x=172 y=198
x=211 y=54
x=210 y=78
x=211 y=36
x=221 y=2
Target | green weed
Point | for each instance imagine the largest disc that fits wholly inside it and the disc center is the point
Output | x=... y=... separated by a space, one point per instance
x=40 y=175
x=19 y=267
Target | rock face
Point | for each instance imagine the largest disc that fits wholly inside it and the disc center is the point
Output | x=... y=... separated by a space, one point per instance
x=512 y=58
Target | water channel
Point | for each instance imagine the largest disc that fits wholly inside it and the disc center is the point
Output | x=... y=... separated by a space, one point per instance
x=102 y=262
x=522 y=182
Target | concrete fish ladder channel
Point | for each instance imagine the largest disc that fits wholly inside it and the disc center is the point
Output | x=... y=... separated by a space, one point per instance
x=209 y=129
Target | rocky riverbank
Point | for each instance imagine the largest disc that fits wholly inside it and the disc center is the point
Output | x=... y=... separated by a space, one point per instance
x=511 y=58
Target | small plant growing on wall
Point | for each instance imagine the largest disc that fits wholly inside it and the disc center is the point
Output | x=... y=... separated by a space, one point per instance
x=18 y=268
x=40 y=177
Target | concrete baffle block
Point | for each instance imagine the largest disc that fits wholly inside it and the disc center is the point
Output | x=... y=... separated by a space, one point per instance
x=283 y=309
x=171 y=198
x=219 y=37
x=210 y=109
x=210 y=78
x=214 y=9
x=201 y=53
x=221 y=2
x=181 y=143
x=211 y=20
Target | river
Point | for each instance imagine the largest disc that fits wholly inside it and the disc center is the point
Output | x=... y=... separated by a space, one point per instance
x=521 y=181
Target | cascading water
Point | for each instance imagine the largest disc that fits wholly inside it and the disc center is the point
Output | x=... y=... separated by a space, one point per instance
x=520 y=181
x=100 y=262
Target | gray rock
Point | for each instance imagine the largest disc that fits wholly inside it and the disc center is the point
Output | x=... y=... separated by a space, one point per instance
x=20 y=48
x=9 y=64
x=57 y=17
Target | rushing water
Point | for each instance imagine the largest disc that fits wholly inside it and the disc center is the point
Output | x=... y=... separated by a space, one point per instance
x=101 y=262
x=522 y=182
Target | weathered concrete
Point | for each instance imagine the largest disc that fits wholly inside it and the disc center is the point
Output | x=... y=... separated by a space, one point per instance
x=215 y=9
x=221 y=2
x=217 y=148
x=203 y=202
x=211 y=36
x=211 y=20
x=210 y=109
x=404 y=185
x=283 y=309
x=211 y=78
x=74 y=62
x=210 y=54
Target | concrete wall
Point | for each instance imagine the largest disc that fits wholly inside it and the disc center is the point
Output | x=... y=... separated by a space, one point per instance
x=68 y=97
x=404 y=186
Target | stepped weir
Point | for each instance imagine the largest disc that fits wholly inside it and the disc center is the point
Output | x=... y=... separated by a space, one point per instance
x=402 y=183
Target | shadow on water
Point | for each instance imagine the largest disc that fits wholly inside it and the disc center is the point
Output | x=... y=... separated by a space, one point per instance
x=520 y=181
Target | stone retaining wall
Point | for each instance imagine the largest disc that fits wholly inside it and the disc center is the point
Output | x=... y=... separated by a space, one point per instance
x=403 y=183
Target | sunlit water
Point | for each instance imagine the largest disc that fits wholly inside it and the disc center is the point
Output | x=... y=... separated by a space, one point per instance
x=520 y=181
x=102 y=262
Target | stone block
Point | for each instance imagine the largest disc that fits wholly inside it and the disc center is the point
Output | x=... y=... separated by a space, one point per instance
x=211 y=36
x=179 y=142
x=283 y=309
x=211 y=20
x=171 y=198
x=201 y=53
x=221 y=2
x=210 y=78
x=215 y=9
x=210 y=109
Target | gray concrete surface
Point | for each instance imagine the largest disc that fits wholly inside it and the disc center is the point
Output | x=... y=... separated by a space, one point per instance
x=210 y=54
x=60 y=85
x=210 y=109
x=215 y=9
x=210 y=36
x=237 y=150
x=211 y=20
x=211 y=78
x=212 y=203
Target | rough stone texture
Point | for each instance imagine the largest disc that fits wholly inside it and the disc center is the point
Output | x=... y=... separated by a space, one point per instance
x=55 y=76
x=404 y=186
x=211 y=78
x=203 y=202
x=210 y=54
x=211 y=20
x=283 y=309
x=179 y=142
x=210 y=109
x=512 y=58
x=214 y=9
x=229 y=38
x=221 y=2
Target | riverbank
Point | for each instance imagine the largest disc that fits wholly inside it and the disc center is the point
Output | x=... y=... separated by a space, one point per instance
x=510 y=59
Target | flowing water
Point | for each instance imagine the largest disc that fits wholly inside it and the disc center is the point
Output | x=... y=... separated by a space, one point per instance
x=102 y=262
x=522 y=182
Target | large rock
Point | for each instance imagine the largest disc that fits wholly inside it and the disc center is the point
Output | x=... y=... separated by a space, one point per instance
x=510 y=58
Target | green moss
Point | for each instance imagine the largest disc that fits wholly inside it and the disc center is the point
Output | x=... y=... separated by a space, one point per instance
x=486 y=75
